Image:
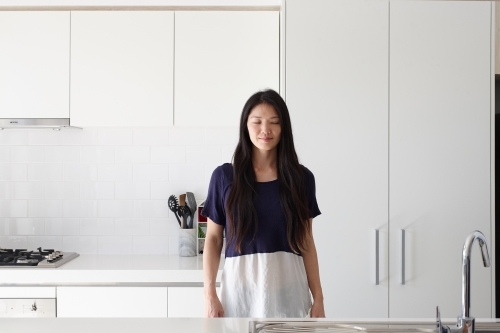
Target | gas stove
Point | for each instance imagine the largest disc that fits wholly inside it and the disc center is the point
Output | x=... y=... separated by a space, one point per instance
x=46 y=258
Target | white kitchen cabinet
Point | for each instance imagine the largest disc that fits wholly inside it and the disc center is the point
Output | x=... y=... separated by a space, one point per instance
x=34 y=64
x=221 y=59
x=187 y=302
x=337 y=93
x=440 y=150
x=112 y=301
x=122 y=68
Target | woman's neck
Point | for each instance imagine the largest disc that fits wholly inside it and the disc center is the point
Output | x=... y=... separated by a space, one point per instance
x=265 y=165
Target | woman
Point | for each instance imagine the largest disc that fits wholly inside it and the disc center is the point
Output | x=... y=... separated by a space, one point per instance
x=266 y=201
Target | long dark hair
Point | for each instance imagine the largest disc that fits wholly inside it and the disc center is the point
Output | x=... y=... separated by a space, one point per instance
x=240 y=208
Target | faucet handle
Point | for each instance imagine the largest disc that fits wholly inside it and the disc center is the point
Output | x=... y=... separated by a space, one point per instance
x=439 y=324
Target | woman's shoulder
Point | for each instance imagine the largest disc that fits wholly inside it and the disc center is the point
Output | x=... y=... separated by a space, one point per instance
x=224 y=172
x=309 y=176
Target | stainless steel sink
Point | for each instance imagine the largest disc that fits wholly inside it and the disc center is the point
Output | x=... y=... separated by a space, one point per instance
x=289 y=326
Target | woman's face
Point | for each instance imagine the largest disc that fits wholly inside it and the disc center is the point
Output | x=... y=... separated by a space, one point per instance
x=264 y=127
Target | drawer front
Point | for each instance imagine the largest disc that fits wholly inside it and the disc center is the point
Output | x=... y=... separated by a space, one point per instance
x=27 y=307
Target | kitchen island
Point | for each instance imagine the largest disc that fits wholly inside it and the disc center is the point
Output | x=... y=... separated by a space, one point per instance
x=196 y=325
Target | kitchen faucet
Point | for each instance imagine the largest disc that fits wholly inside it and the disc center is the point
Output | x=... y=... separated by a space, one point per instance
x=466 y=323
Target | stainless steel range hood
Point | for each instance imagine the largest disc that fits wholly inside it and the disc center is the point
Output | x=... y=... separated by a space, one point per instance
x=39 y=123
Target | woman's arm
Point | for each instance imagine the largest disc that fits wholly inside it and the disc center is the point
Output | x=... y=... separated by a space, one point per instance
x=310 y=258
x=211 y=261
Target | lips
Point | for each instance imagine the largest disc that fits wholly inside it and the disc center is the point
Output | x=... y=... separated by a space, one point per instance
x=265 y=139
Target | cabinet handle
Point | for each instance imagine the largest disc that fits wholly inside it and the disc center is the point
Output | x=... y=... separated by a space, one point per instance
x=403 y=257
x=377 y=257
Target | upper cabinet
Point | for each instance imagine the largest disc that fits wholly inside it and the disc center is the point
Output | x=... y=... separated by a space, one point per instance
x=221 y=59
x=34 y=64
x=122 y=68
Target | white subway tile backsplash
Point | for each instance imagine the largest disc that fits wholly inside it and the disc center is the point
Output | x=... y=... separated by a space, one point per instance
x=62 y=190
x=28 y=154
x=115 y=137
x=45 y=208
x=115 y=172
x=132 y=190
x=5 y=154
x=80 y=208
x=45 y=137
x=51 y=172
x=13 y=208
x=186 y=172
x=28 y=190
x=164 y=226
x=14 y=137
x=86 y=136
x=6 y=190
x=62 y=154
x=222 y=137
x=80 y=244
x=115 y=244
x=150 y=245
x=168 y=154
x=162 y=190
x=13 y=172
x=103 y=190
x=186 y=136
x=150 y=137
x=26 y=226
x=97 y=226
x=97 y=190
x=62 y=226
x=115 y=208
x=132 y=154
x=97 y=154
x=203 y=154
x=46 y=242
x=4 y=227
x=151 y=172
x=137 y=226
x=151 y=208
x=14 y=242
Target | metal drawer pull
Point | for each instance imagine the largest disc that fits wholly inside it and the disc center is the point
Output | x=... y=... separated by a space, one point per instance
x=376 y=257
x=403 y=257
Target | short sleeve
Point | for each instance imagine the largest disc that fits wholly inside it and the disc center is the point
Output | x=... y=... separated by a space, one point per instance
x=311 y=194
x=214 y=207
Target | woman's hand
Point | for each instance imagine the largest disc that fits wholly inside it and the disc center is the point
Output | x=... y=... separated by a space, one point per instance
x=213 y=307
x=317 y=310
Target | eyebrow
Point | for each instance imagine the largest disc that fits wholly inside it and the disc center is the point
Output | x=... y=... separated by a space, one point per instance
x=261 y=117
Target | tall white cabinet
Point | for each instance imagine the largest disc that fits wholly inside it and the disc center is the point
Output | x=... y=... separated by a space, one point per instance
x=337 y=92
x=34 y=64
x=440 y=149
x=394 y=96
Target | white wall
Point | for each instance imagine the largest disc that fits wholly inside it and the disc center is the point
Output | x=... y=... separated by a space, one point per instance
x=103 y=190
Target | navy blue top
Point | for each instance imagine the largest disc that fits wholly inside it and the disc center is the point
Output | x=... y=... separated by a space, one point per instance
x=271 y=231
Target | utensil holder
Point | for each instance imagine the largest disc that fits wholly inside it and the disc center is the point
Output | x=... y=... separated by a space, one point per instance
x=187 y=242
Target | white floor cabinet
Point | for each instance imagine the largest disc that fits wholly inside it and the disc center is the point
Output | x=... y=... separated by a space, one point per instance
x=34 y=64
x=186 y=302
x=395 y=96
x=122 y=68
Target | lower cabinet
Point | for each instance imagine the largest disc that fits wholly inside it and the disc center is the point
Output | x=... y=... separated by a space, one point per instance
x=186 y=302
x=112 y=302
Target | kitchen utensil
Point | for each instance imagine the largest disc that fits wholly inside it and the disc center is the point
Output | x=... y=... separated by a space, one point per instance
x=183 y=211
x=173 y=205
x=191 y=203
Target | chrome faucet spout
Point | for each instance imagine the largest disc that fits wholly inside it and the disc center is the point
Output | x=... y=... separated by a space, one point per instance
x=466 y=255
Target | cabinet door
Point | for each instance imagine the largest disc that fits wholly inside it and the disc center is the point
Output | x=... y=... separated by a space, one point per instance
x=221 y=59
x=440 y=176
x=34 y=64
x=112 y=302
x=337 y=94
x=122 y=68
x=186 y=302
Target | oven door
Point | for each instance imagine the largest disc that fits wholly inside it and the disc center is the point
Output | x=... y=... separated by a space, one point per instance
x=27 y=307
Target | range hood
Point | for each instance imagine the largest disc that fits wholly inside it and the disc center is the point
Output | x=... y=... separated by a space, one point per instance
x=40 y=123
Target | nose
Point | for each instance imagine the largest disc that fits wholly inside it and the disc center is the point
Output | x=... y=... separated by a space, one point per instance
x=265 y=128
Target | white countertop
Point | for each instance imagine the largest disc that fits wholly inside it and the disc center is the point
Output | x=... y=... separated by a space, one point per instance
x=90 y=269
x=152 y=325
